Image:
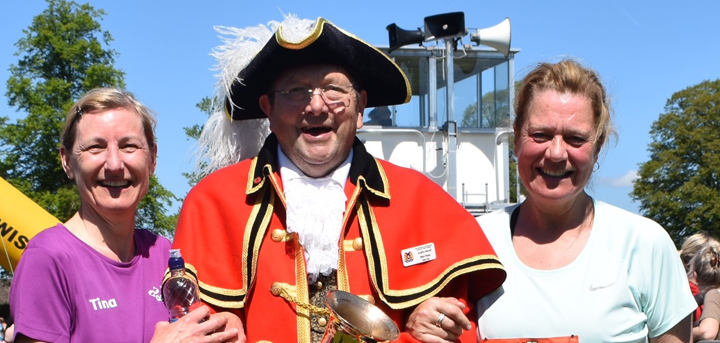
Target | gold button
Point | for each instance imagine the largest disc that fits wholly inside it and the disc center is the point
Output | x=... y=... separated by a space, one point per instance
x=358 y=244
x=278 y=235
x=276 y=288
x=318 y=285
x=322 y=321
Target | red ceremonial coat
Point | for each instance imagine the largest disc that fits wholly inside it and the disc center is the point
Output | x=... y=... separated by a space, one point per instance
x=232 y=234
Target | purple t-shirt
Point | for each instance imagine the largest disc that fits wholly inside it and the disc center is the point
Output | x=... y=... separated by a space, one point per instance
x=63 y=290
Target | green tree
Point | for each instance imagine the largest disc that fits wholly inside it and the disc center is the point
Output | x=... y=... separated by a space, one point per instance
x=63 y=54
x=493 y=114
x=513 y=175
x=680 y=183
x=193 y=132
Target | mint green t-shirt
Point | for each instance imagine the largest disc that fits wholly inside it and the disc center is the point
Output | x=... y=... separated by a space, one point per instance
x=626 y=285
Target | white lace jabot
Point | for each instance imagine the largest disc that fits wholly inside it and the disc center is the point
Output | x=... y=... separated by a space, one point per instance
x=315 y=209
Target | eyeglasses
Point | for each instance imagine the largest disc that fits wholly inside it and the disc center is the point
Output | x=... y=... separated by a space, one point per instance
x=334 y=96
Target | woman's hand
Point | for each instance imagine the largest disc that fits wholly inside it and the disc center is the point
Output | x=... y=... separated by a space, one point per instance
x=438 y=320
x=199 y=326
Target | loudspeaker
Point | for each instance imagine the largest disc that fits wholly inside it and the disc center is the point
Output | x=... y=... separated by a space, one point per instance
x=399 y=37
x=497 y=37
x=445 y=25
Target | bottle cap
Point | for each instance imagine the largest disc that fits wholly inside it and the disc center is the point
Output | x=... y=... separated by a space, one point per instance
x=176 y=261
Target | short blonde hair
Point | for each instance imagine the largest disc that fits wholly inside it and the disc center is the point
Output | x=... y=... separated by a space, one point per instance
x=103 y=99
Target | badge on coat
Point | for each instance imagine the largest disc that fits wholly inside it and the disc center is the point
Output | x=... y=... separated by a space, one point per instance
x=419 y=254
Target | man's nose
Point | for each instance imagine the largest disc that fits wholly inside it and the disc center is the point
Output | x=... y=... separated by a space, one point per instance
x=317 y=103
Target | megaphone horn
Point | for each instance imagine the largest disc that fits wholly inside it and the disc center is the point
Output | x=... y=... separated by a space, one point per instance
x=445 y=25
x=497 y=37
x=399 y=37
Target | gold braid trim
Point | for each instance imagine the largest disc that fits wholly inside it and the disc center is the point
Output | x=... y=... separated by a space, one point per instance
x=304 y=326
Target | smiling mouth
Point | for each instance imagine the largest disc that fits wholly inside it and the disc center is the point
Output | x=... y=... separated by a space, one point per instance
x=115 y=184
x=555 y=173
x=316 y=131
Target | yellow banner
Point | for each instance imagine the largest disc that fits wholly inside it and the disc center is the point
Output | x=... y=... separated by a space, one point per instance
x=20 y=219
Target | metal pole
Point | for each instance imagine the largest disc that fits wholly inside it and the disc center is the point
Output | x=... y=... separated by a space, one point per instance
x=511 y=108
x=451 y=123
x=479 y=96
x=487 y=201
x=432 y=94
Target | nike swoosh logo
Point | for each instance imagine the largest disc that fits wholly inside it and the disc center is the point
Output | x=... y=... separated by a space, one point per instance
x=595 y=287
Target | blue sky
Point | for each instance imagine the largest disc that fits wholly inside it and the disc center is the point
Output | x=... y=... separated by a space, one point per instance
x=644 y=51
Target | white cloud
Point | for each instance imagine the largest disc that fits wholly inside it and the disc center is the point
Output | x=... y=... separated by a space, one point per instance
x=626 y=180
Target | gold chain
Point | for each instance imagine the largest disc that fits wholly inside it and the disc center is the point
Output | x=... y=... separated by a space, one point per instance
x=312 y=308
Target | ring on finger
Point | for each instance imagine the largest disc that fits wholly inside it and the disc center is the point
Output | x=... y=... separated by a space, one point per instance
x=438 y=322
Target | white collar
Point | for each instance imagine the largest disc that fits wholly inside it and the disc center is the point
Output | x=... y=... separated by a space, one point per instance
x=315 y=209
x=289 y=171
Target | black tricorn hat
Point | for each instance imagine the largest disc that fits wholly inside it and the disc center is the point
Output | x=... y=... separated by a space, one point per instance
x=373 y=71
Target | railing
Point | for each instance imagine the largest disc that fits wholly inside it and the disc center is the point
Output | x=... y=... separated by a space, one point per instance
x=396 y=130
x=476 y=209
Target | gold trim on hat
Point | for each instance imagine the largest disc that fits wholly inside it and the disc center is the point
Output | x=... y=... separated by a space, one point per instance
x=317 y=32
x=314 y=35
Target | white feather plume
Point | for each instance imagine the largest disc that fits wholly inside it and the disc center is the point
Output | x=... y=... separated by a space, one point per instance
x=224 y=141
x=296 y=30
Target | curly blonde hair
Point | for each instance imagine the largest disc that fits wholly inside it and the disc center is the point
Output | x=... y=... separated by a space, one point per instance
x=692 y=245
x=706 y=266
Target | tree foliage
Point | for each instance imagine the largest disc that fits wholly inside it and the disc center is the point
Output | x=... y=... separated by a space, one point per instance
x=193 y=132
x=64 y=53
x=679 y=185
x=515 y=182
x=494 y=113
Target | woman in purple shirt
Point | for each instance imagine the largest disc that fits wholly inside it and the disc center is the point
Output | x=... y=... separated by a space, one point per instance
x=97 y=278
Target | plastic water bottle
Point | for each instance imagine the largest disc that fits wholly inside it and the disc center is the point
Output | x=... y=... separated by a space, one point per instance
x=180 y=292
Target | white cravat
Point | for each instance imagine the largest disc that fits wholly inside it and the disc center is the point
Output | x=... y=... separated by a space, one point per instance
x=315 y=209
